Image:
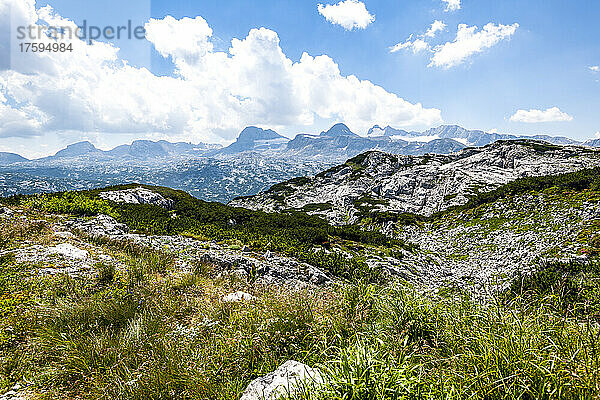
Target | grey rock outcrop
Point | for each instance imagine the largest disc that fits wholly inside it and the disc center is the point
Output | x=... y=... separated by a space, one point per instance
x=17 y=392
x=69 y=251
x=285 y=380
x=423 y=184
x=6 y=212
x=238 y=297
x=264 y=268
x=102 y=225
x=137 y=195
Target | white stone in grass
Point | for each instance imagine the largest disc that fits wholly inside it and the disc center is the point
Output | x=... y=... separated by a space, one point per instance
x=238 y=297
x=64 y=235
x=69 y=251
x=285 y=380
x=7 y=212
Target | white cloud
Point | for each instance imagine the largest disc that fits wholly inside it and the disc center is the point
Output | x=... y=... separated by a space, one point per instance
x=419 y=44
x=452 y=5
x=184 y=39
x=597 y=134
x=469 y=41
x=349 y=14
x=212 y=95
x=594 y=68
x=416 y=45
x=435 y=28
x=22 y=122
x=533 y=116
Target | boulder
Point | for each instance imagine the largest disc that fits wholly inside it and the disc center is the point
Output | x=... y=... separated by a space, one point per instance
x=284 y=380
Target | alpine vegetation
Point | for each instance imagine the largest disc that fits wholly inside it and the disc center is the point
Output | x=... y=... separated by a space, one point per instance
x=138 y=291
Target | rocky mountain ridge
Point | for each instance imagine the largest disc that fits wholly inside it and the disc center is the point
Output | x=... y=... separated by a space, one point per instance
x=10 y=158
x=257 y=160
x=138 y=150
x=421 y=185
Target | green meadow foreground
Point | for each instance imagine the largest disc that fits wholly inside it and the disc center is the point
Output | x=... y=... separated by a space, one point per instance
x=141 y=316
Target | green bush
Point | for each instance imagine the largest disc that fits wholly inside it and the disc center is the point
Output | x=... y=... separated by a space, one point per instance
x=69 y=203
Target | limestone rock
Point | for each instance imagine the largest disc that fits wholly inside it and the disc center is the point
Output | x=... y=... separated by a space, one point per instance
x=420 y=184
x=137 y=195
x=102 y=225
x=69 y=251
x=284 y=380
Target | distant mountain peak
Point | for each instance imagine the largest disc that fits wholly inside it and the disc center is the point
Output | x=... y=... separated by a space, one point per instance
x=378 y=131
x=339 y=130
x=448 y=130
x=253 y=133
x=77 y=149
x=592 y=143
x=9 y=158
x=253 y=138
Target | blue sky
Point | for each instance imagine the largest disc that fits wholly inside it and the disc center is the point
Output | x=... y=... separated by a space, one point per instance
x=544 y=64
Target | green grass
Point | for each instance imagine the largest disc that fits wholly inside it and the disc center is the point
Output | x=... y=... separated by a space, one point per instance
x=413 y=348
x=148 y=331
x=570 y=288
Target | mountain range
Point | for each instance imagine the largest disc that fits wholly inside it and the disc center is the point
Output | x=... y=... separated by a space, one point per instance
x=258 y=159
x=137 y=150
x=336 y=144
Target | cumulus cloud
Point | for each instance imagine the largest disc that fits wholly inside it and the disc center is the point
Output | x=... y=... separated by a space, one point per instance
x=212 y=95
x=420 y=44
x=416 y=45
x=452 y=5
x=22 y=122
x=349 y=14
x=468 y=42
x=553 y=114
x=435 y=27
x=185 y=39
x=594 y=68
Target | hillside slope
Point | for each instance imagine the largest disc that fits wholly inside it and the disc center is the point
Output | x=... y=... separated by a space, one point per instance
x=418 y=184
x=146 y=292
x=180 y=298
x=481 y=249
